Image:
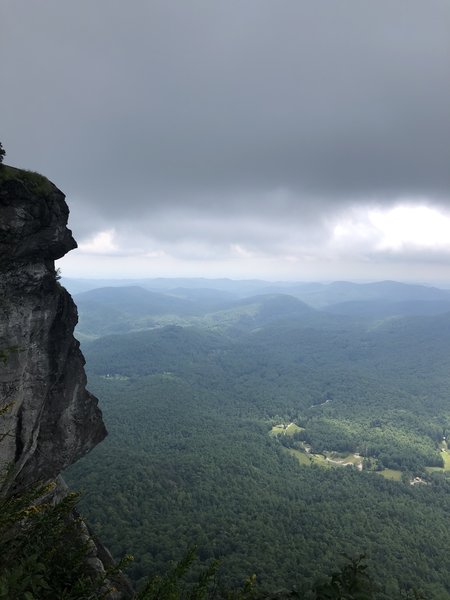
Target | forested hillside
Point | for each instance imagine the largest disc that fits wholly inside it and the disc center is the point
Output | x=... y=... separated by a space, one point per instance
x=231 y=431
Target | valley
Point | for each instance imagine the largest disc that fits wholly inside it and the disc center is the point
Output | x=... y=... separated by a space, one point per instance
x=275 y=436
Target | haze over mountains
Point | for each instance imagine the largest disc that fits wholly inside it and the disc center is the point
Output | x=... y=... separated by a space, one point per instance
x=114 y=306
x=248 y=287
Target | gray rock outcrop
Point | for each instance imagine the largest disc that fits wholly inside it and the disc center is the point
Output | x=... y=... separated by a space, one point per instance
x=47 y=417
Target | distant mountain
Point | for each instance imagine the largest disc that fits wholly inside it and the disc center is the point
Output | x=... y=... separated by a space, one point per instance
x=136 y=301
x=380 y=309
x=273 y=307
x=314 y=294
x=78 y=286
x=110 y=310
x=207 y=299
x=420 y=342
x=392 y=290
x=257 y=311
x=386 y=291
x=119 y=309
x=240 y=288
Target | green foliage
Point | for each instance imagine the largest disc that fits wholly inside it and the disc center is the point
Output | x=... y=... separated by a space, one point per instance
x=386 y=413
x=34 y=182
x=181 y=466
x=43 y=555
x=2 y=154
x=352 y=582
x=173 y=587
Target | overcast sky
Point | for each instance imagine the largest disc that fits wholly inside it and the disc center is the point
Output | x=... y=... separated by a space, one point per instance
x=282 y=139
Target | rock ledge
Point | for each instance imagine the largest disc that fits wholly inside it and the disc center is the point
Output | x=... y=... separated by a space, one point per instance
x=49 y=419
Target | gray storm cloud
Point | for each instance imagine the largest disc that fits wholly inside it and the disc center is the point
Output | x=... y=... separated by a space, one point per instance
x=284 y=113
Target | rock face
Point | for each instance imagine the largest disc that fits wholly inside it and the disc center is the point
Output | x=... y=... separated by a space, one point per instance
x=47 y=417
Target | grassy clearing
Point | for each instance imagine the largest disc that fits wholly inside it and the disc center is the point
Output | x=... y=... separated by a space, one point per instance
x=307 y=459
x=445 y=457
x=277 y=429
x=344 y=460
x=354 y=459
x=338 y=459
x=391 y=474
x=327 y=459
x=289 y=430
x=293 y=428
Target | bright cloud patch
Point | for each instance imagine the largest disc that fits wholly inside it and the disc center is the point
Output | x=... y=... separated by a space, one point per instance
x=412 y=226
x=101 y=243
x=399 y=229
x=240 y=251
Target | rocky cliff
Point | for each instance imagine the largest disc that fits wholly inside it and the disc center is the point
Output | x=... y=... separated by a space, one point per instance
x=48 y=418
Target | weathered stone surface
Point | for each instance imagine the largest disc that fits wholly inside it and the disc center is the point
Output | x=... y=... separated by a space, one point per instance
x=52 y=420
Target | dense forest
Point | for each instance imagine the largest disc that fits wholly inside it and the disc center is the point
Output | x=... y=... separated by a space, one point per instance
x=216 y=420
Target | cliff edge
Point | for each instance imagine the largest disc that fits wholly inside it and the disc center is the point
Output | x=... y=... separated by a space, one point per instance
x=49 y=419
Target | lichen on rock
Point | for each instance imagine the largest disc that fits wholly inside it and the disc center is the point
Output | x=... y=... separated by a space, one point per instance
x=49 y=419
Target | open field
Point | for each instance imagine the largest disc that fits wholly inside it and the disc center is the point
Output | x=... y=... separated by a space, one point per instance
x=391 y=474
x=445 y=457
x=289 y=429
x=309 y=459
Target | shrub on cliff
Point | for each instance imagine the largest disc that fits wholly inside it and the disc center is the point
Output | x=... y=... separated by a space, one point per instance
x=34 y=182
x=43 y=555
x=2 y=153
